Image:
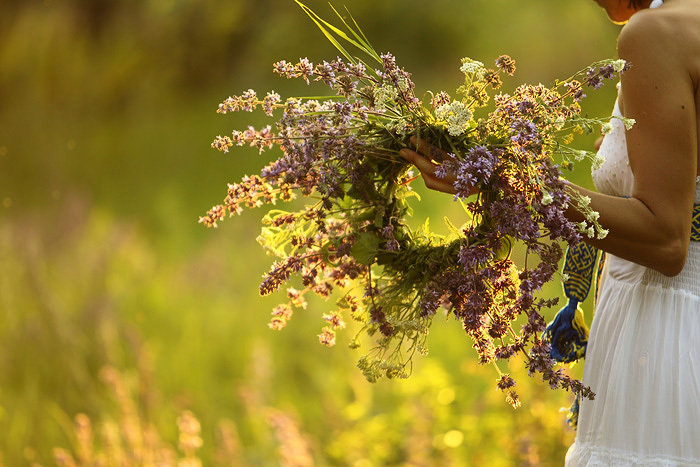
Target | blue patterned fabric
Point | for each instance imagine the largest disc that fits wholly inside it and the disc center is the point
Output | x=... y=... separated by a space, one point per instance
x=568 y=333
x=579 y=268
x=695 y=231
x=572 y=414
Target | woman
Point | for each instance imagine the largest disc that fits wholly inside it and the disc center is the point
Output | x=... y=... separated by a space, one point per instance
x=643 y=356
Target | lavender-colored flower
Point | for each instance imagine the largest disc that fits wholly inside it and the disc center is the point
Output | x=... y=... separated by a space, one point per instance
x=358 y=69
x=575 y=88
x=327 y=337
x=340 y=154
x=471 y=257
x=526 y=107
x=270 y=101
x=389 y=62
x=476 y=169
x=514 y=220
x=304 y=68
x=279 y=273
x=249 y=100
x=440 y=99
x=524 y=132
x=594 y=79
x=284 y=69
x=505 y=382
x=222 y=143
x=448 y=166
x=491 y=78
x=344 y=111
x=388 y=232
x=507 y=64
x=431 y=300
x=325 y=72
x=339 y=66
x=231 y=104
x=345 y=85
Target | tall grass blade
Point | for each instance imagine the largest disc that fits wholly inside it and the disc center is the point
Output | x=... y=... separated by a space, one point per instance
x=332 y=33
x=358 y=34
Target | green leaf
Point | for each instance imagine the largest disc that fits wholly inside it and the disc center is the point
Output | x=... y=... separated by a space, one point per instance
x=464 y=207
x=405 y=194
x=274 y=241
x=331 y=32
x=365 y=248
x=365 y=46
x=379 y=217
x=323 y=25
x=452 y=227
x=366 y=215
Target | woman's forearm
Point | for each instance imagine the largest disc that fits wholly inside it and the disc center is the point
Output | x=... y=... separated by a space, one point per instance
x=636 y=233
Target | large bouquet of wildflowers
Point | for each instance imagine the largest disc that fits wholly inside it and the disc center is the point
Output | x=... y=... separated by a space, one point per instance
x=352 y=237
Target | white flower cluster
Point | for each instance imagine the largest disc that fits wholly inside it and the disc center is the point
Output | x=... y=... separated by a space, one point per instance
x=590 y=230
x=403 y=84
x=590 y=227
x=474 y=67
x=547 y=198
x=559 y=122
x=456 y=115
x=598 y=161
x=399 y=125
x=384 y=95
x=618 y=65
x=580 y=154
x=607 y=127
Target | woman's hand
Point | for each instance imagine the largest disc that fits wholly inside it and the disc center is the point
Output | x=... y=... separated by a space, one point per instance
x=427 y=159
x=598 y=142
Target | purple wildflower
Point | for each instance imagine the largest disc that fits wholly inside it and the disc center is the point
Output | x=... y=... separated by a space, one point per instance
x=472 y=256
x=594 y=79
x=325 y=72
x=284 y=69
x=304 y=68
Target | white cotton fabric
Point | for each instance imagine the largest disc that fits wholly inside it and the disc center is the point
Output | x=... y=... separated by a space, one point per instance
x=643 y=356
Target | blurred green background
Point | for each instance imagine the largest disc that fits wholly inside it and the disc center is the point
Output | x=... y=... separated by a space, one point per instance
x=119 y=312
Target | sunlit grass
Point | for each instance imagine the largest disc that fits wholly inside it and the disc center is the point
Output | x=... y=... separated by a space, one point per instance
x=189 y=336
x=105 y=167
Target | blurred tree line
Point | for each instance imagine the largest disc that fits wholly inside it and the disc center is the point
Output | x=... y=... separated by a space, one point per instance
x=107 y=109
x=72 y=70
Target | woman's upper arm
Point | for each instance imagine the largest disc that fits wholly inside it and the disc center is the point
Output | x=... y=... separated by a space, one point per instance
x=658 y=93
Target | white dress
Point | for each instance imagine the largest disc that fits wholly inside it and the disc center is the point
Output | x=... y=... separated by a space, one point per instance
x=643 y=355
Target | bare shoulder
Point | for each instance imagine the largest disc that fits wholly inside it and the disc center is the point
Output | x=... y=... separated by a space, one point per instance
x=659 y=92
x=668 y=33
x=647 y=29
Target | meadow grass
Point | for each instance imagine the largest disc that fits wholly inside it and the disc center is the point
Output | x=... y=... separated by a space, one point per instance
x=125 y=325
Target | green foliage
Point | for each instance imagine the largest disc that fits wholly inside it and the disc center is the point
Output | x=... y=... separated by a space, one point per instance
x=105 y=123
x=365 y=248
x=95 y=296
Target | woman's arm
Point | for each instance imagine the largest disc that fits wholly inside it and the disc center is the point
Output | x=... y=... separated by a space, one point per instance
x=651 y=228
